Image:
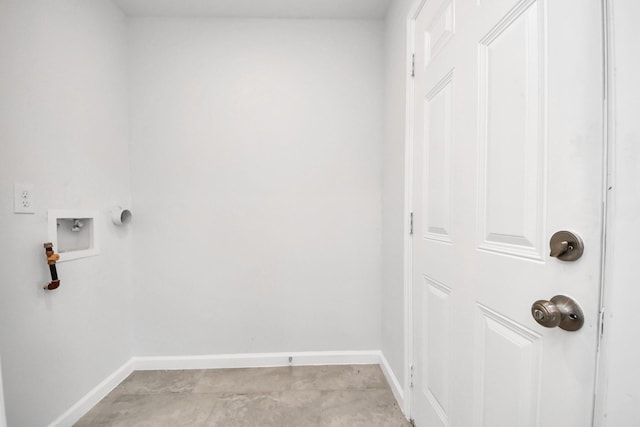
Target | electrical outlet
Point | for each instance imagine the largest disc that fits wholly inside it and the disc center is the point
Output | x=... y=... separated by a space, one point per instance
x=23 y=199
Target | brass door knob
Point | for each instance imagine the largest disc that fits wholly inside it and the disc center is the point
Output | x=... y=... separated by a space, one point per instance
x=561 y=311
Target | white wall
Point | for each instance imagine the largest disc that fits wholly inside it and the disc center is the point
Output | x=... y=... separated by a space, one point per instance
x=256 y=156
x=63 y=128
x=393 y=172
x=621 y=374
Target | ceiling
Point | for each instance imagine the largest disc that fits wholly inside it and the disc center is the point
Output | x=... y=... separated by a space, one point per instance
x=302 y=9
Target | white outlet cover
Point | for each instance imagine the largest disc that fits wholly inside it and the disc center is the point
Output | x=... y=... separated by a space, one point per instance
x=23 y=199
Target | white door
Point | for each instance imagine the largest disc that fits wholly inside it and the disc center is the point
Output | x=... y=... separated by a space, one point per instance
x=507 y=149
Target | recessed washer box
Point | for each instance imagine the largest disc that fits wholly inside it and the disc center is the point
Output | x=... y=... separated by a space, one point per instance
x=73 y=233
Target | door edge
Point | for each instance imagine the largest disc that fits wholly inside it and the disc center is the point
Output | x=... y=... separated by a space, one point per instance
x=414 y=10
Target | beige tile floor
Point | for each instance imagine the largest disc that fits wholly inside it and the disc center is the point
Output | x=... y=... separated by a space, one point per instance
x=353 y=395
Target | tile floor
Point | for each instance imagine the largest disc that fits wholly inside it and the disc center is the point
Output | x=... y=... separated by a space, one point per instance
x=353 y=395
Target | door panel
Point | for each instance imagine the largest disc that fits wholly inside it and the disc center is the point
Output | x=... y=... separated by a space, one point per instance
x=511 y=135
x=438 y=120
x=507 y=149
x=436 y=372
x=512 y=399
x=439 y=30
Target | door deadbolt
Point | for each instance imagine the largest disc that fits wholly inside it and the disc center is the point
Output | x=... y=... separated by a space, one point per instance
x=566 y=246
x=561 y=311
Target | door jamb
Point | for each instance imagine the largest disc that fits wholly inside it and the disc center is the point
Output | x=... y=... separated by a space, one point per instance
x=3 y=417
x=608 y=197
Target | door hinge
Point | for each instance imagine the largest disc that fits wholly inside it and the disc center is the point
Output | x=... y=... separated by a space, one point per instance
x=601 y=323
x=411 y=376
x=411 y=224
x=413 y=65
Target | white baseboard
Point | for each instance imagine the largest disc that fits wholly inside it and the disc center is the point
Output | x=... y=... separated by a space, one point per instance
x=73 y=414
x=246 y=360
x=257 y=360
x=396 y=388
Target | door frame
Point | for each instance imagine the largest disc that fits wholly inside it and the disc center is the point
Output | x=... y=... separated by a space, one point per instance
x=607 y=226
x=609 y=246
x=3 y=417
